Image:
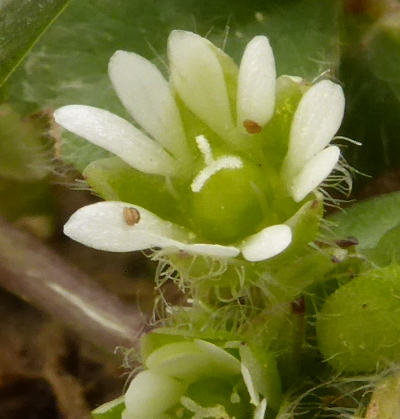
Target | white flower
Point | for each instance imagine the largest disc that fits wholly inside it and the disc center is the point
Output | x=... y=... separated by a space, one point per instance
x=199 y=76
x=170 y=371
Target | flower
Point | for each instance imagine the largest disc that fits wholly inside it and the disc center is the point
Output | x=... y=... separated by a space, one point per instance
x=240 y=150
x=199 y=379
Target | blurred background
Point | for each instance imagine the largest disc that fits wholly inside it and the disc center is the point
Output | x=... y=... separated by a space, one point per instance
x=56 y=359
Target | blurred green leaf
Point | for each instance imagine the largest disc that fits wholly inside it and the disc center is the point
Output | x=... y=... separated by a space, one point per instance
x=25 y=153
x=368 y=221
x=382 y=45
x=20 y=199
x=371 y=79
x=387 y=249
x=69 y=65
x=22 y=22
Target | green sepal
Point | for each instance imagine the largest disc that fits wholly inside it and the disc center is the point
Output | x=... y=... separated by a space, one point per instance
x=275 y=135
x=192 y=360
x=305 y=226
x=115 y=180
x=220 y=394
x=231 y=72
x=110 y=410
x=157 y=338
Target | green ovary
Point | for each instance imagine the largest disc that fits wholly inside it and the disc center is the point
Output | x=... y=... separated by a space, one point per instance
x=230 y=206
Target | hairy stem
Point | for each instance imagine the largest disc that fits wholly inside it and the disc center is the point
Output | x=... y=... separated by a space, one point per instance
x=38 y=275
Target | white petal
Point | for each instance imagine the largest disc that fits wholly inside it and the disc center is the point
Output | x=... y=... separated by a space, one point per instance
x=117 y=135
x=191 y=361
x=199 y=80
x=147 y=96
x=150 y=394
x=225 y=361
x=315 y=122
x=254 y=396
x=103 y=226
x=314 y=172
x=267 y=243
x=260 y=410
x=213 y=250
x=256 y=85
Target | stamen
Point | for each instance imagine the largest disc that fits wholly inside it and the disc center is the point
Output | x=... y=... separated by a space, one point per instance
x=205 y=148
x=131 y=216
x=252 y=127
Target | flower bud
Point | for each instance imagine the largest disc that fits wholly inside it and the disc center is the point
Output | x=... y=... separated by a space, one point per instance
x=358 y=328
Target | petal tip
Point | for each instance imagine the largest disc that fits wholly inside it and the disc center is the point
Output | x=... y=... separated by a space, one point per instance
x=267 y=243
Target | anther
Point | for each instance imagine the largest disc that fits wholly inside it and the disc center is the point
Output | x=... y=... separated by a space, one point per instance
x=131 y=216
x=252 y=127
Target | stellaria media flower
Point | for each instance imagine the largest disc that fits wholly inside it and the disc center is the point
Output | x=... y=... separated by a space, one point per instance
x=241 y=152
x=194 y=378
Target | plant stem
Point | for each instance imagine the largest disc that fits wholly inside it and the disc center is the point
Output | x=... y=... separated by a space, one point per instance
x=38 y=275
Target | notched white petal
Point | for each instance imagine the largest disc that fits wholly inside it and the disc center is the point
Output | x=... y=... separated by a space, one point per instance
x=213 y=250
x=117 y=135
x=316 y=121
x=314 y=172
x=105 y=226
x=146 y=94
x=254 y=396
x=260 y=410
x=197 y=75
x=149 y=386
x=256 y=83
x=267 y=243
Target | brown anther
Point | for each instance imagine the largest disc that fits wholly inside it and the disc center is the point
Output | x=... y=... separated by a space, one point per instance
x=298 y=306
x=335 y=259
x=131 y=216
x=345 y=243
x=252 y=127
x=321 y=244
x=315 y=204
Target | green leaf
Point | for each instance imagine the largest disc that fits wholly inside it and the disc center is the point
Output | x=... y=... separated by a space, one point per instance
x=65 y=69
x=22 y=22
x=368 y=221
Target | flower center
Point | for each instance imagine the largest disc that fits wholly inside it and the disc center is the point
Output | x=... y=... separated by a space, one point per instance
x=226 y=205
